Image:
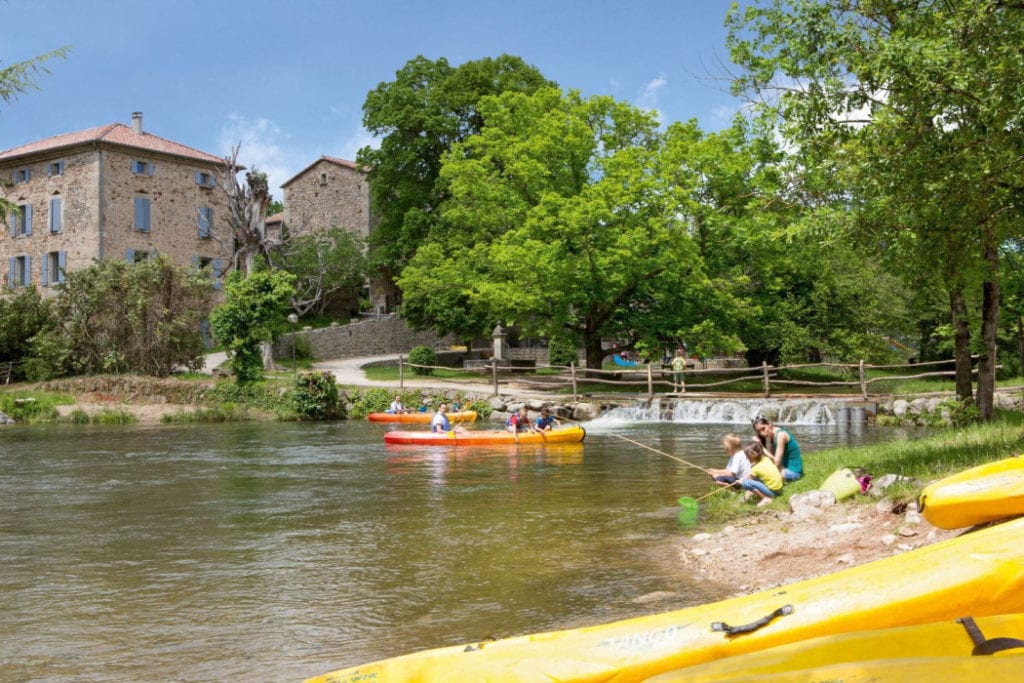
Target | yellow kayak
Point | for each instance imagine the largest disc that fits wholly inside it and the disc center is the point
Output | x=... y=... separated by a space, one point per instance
x=948 y=640
x=422 y=418
x=904 y=670
x=975 y=496
x=978 y=574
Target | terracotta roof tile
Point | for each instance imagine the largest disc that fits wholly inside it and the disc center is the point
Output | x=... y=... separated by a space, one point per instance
x=115 y=134
x=275 y=218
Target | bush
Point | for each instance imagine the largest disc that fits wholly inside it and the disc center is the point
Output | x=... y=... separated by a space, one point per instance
x=315 y=396
x=423 y=355
x=562 y=351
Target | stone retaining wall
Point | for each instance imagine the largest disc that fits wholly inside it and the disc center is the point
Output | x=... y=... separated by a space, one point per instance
x=372 y=337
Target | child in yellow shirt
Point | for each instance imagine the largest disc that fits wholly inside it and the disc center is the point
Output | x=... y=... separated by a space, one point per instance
x=764 y=479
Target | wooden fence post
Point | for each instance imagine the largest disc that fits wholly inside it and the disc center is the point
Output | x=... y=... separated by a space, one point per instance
x=576 y=394
x=401 y=376
x=767 y=384
x=494 y=374
x=863 y=381
x=650 y=382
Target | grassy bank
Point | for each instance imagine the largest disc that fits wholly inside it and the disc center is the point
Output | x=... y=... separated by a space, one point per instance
x=922 y=460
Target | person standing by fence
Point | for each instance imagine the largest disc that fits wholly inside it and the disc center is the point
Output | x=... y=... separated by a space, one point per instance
x=679 y=371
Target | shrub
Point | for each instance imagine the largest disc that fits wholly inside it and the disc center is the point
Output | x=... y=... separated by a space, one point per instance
x=423 y=355
x=315 y=396
x=562 y=351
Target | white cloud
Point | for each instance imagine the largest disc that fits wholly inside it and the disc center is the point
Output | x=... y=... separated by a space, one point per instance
x=261 y=147
x=355 y=141
x=648 y=97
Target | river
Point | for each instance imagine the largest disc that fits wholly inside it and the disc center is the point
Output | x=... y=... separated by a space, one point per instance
x=278 y=551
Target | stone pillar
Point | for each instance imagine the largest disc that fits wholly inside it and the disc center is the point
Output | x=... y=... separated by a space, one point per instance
x=499 y=342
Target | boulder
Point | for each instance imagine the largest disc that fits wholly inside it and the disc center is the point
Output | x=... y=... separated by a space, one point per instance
x=586 y=411
x=811 y=503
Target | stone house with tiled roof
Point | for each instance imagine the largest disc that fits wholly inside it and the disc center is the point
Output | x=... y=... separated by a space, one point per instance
x=113 y=191
x=330 y=192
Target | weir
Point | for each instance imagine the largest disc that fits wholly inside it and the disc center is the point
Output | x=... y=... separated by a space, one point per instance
x=792 y=411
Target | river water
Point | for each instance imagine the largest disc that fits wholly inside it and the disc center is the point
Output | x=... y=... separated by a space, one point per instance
x=275 y=551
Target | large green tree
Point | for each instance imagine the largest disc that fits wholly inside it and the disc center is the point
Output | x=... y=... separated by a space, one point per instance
x=915 y=109
x=428 y=107
x=561 y=219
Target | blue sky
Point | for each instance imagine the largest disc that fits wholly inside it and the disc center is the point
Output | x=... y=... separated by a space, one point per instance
x=287 y=78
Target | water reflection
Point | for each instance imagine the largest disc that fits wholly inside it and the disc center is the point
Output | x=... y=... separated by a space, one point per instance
x=281 y=551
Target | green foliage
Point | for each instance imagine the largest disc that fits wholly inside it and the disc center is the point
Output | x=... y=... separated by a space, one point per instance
x=113 y=417
x=563 y=351
x=374 y=400
x=427 y=107
x=483 y=408
x=329 y=268
x=252 y=307
x=315 y=396
x=226 y=412
x=32 y=406
x=24 y=313
x=423 y=355
x=116 y=317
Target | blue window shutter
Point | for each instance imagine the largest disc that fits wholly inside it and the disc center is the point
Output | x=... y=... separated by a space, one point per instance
x=195 y=262
x=152 y=167
x=13 y=223
x=27 y=273
x=129 y=256
x=11 y=268
x=142 y=214
x=213 y=180
x=42 y=271
x=28 y=219
x=62 y=266
x=217 y=284
x=55 y=205
x=199 y=178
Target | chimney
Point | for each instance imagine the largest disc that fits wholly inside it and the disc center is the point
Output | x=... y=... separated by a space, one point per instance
x=137 y=122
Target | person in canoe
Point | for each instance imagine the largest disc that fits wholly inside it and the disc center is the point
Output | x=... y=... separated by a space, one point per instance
x=546 y=419
x=764 y=480
x=519 y=421
x=396 y=406
x=781 y=447
x=738 y=466
x=440 y=422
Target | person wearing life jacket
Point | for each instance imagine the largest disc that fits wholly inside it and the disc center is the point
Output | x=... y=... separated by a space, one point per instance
x=518 y=421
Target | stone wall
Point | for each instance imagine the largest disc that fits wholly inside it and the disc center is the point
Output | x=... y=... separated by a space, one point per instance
x=326 y=195
x=372 y=337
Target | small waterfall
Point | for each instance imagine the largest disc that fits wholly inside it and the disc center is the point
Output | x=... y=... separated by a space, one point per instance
x=802 y=411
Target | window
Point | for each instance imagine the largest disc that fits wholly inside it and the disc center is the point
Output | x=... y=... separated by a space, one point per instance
x=142 y=167
x=323 y=178
x=205 y=179
x=21 y=221
x=133 y=256
x=56 y=168
x=55 y=214
x=205 y=222
x=19 y=271
x=20 y=175
x=142 y=212
x=216 y=269
x=54 y=265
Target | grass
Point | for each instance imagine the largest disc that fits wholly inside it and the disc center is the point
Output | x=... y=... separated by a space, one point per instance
x=922 y=460
x=226 y=412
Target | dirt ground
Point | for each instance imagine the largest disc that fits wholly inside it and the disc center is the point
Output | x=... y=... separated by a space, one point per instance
x=774 y=547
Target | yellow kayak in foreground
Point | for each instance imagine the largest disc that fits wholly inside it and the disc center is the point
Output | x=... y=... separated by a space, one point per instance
x=904 y=670
x=978 y=574
x=860 y=651
x=981 y=494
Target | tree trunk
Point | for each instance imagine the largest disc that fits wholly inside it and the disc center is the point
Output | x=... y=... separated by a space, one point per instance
x=985 y=398
x=267 y=350
x=961 y=343
x=1020 y=341
x=594 y=352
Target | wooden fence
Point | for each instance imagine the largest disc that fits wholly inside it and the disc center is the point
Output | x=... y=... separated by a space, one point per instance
x=657 y=380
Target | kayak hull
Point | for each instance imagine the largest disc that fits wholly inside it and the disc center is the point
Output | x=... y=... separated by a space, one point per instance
x=481 y=437
x=861 y=650
x=978 y=574
x=980 y=494
x=421 y=418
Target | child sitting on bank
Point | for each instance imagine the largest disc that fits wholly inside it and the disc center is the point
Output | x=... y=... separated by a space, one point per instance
x=738 y=466
x=764 y=480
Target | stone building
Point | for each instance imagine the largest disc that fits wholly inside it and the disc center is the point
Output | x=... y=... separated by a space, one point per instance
x=113 y=191
x=329 y=193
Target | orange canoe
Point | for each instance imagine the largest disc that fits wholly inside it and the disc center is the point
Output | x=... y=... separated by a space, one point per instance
x=484 y=437
x=422 y=418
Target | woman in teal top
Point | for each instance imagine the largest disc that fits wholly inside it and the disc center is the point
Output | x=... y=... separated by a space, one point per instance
x=782 y=447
